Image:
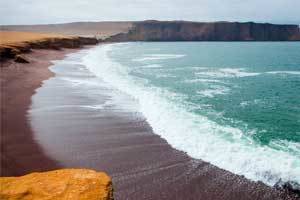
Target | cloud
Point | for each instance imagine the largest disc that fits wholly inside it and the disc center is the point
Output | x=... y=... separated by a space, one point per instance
x=58 y=11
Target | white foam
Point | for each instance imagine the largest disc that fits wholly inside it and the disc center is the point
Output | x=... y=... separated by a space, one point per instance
x=223 y=146
x=157 y=57
x=199 y=68
x=253 y=102
x=284 y=72
x=165 y=76
x=213 y=92
x=94 y=107
x=202 y=80
x=79 y=82
x=286 y=145
x=152 y=66
x=227 y=73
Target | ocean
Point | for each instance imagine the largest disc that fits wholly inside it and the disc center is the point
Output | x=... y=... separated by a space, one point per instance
x=235 y=105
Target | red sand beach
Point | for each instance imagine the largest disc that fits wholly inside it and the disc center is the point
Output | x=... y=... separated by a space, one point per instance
x=142 y=165
x=20 y=154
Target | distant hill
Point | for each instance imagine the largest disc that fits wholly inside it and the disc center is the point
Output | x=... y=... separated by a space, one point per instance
x=99 y=29
x=153 y=30
x=214 y=31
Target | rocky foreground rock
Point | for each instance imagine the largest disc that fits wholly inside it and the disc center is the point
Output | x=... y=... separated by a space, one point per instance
x=65 y=184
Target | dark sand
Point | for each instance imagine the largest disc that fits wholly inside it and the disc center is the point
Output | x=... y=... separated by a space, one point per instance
x=69 y=133
x=20 y=154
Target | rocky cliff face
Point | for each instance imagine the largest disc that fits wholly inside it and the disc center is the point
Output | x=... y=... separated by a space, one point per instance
x=217 y=31
x=58 y=185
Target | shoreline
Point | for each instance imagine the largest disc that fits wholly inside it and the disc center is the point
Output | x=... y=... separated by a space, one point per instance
x=142 y=164
x=93 y=130
x=18 y=83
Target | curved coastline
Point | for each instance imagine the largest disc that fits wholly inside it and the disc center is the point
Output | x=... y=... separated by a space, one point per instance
x=165 y=110
x=95 y=131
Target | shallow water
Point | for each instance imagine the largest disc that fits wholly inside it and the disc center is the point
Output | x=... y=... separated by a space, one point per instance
x=235 y=105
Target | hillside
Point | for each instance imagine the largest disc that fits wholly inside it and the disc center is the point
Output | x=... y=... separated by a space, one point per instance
x=88 y=29
x=13 y=43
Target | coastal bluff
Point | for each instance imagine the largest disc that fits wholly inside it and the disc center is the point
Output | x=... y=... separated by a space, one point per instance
x=203 y=31
x=13 y=44
x=64 y=184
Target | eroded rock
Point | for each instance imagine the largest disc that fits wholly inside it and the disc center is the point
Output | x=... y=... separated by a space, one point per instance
x=65 y=184
x=21 y=59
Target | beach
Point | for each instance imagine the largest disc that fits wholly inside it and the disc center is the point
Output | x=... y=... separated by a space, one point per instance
x=150 y=100
x=18 y=84
x=61 y=130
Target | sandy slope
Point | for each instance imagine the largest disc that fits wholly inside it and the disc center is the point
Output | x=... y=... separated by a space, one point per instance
x=13 y=37
x=99 y=29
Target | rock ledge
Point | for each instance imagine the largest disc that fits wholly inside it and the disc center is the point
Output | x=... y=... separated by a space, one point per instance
x=65 y=184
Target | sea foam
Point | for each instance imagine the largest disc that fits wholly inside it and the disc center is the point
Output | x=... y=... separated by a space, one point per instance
x=217 y=90
x=227 y=73
x=147 y=57
x=284 y=72
x=224 y=146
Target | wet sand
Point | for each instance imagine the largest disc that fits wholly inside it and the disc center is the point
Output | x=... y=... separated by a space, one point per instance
x=20 y=154
x=82 y=122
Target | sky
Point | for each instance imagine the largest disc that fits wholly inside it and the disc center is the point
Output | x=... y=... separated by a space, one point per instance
x=60 y=11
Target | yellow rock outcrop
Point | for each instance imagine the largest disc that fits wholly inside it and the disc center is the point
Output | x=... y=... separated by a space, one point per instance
x=65 y=184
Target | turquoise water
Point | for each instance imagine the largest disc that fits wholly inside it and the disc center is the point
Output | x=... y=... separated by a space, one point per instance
x=235 y=105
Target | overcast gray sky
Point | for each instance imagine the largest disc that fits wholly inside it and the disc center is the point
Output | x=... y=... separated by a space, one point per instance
x=58 y=11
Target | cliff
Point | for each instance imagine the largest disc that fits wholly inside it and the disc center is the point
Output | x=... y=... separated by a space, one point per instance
x=217 y=31
x=13 y=44
x=152 y=30
x=58 y=185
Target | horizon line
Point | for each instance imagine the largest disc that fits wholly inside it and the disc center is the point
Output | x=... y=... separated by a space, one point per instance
x=154 y=20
